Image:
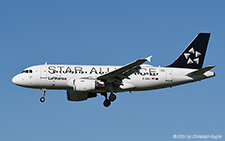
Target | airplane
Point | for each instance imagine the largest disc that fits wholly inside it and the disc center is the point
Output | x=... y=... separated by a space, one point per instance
x=86 y=81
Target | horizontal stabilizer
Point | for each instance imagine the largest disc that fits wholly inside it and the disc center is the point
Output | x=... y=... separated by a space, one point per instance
x=200 y=71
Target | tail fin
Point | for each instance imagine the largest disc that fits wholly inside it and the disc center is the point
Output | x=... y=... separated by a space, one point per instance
x=193 y=56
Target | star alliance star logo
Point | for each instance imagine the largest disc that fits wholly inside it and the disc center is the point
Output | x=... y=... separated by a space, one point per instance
x=192 y=56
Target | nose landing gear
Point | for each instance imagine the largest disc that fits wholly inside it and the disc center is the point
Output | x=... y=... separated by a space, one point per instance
x=42 y=99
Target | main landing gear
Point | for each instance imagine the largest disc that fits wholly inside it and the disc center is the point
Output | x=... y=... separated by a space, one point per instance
x=107 y=102
x=42 y=99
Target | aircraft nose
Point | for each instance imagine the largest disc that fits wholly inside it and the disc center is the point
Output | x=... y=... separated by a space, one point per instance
x=15 y=79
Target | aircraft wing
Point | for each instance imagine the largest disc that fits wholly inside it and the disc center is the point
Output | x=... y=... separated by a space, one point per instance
x=124 y=72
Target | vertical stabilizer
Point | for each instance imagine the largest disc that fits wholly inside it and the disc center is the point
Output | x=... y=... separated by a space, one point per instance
x=193 y=56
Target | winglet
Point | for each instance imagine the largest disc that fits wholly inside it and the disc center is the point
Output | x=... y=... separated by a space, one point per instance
x=149 y=58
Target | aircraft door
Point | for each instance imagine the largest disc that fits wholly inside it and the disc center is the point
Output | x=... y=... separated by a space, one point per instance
x=169 y=75
x=43 y=72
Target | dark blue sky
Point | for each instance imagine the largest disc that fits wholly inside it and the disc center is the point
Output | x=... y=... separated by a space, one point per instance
x=109 y=33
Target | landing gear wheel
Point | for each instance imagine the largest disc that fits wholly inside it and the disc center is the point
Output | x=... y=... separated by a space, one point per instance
x=42 y=99
x=112 y=97
x=107 y=103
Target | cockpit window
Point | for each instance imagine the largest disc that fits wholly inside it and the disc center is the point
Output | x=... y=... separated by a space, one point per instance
x=27 y=71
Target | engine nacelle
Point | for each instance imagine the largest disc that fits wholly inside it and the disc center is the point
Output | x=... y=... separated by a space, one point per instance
x=84 y=85
x=79 y=96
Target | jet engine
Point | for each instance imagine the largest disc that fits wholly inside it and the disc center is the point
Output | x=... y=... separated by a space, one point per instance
x=85 y=85
x=79 y=96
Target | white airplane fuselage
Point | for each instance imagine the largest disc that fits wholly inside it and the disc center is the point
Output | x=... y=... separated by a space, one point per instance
x=148 y=77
